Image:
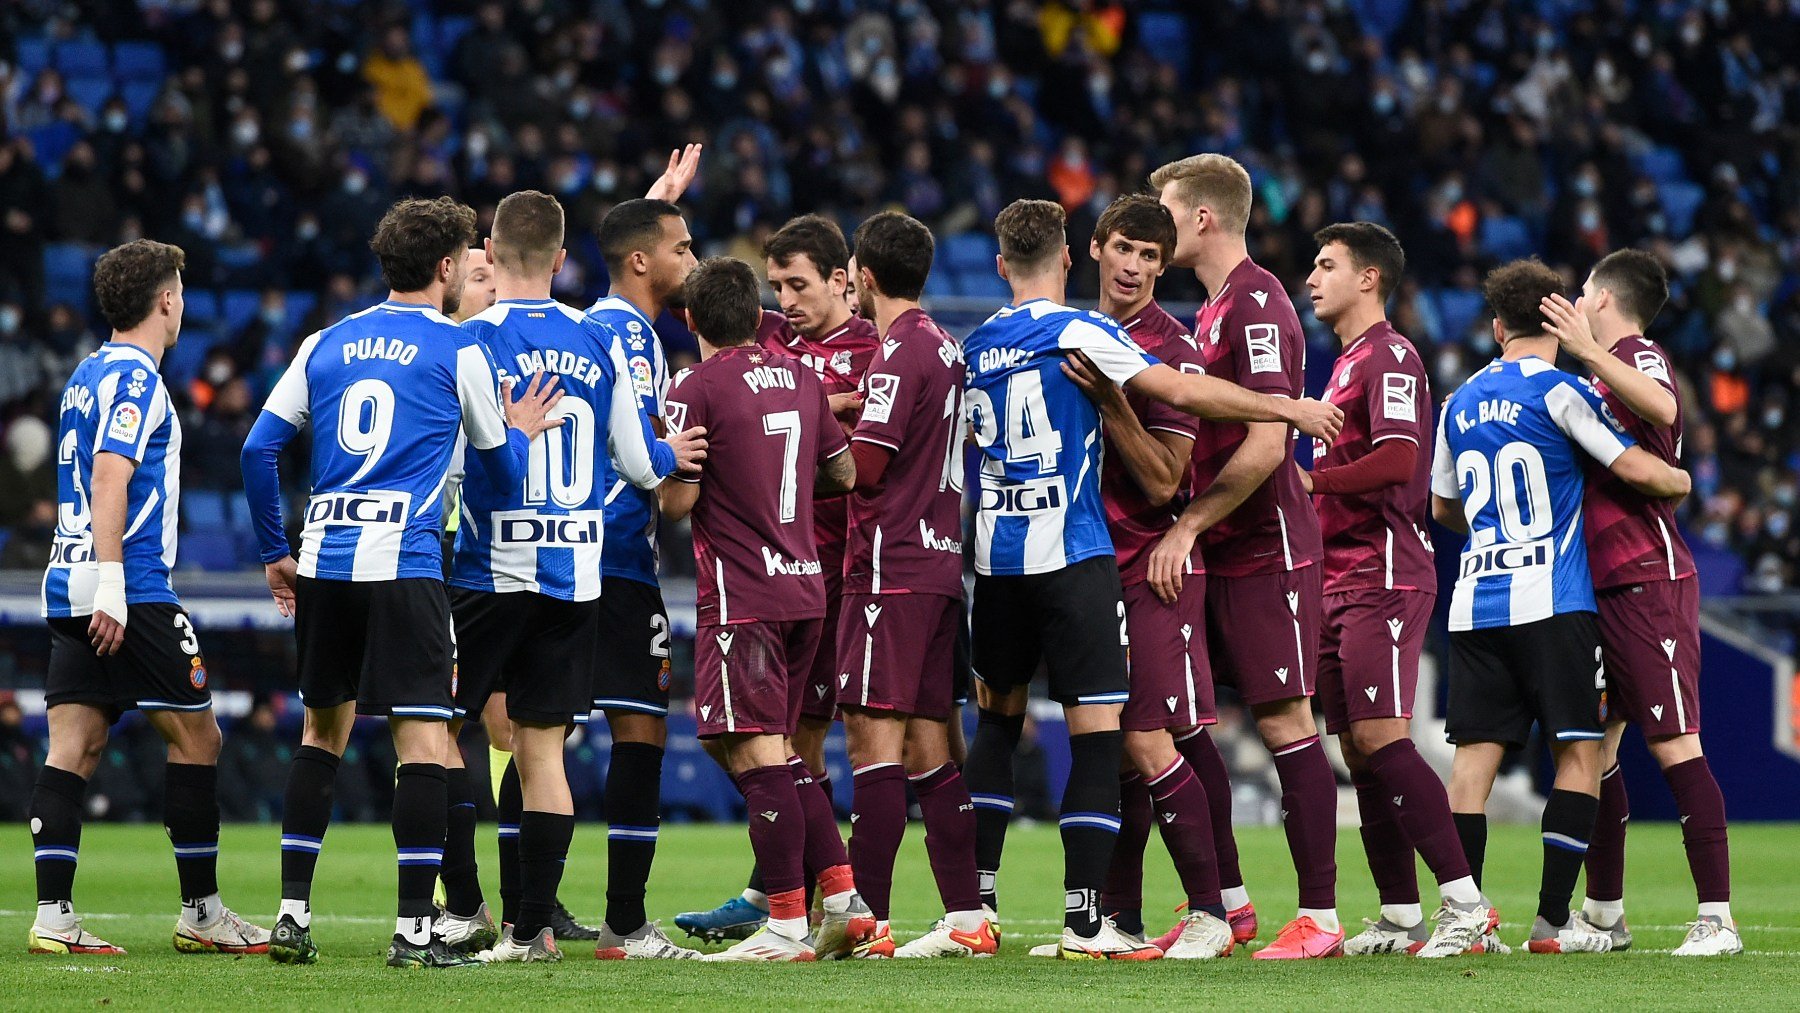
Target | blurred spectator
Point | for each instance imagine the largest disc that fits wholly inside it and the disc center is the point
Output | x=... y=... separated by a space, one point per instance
x=20 y=755
x=253 y=765
x=219 y=438
x=402 y=88
x=27 y=493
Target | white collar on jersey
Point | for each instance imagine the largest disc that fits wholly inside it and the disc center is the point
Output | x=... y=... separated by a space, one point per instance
x=128 y=349
x=619 y=302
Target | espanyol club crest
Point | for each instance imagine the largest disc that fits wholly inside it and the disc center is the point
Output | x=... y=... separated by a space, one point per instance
x=197 y=672
x=455 y=674
x=662 y=676
x=840 y=363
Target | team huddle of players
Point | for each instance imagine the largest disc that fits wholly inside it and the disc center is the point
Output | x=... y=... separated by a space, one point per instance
x=1141 y=532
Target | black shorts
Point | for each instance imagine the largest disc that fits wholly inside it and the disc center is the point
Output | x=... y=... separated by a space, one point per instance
x=1504 y=679
x=1072 y=619
x=631 y=667
x=536 y=649
x=158 y=667
x=385 y=644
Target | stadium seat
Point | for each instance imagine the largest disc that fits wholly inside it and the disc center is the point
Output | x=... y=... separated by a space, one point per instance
x=238 y=307
x=450 y=31
x=1506 y=238
x=938 y=284
x=140 y=98
x=208 y=550
x=1458 y=309
x=51 y=142
x=983 y=284
x=204 y=510
x=202 y=306
x=182 y=363
x=90 y=92
x=84 y=57
x=299 y=305
x=138 y=61
x=968 y=250
x=34 y=55
x=1680 y=202
x=1662 y=165
x=1164 y=35
x=66 y=267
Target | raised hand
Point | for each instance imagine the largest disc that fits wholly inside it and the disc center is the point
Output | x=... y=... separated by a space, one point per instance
x=684 y=164
x=1569 y=325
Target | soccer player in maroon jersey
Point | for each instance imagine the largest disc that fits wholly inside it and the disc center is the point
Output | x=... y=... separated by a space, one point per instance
x=1148 y=447
x=1259 y=533
x=903 y=605
x=1373 y=490
x=1649 y=601
x=762 y=599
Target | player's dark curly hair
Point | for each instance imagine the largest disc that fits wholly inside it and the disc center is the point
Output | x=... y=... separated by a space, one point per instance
x=1030 y=233
x=721 y=295
x=897 y=249
x=416 y=235
x=814 y=236
x=1637 y=280
x=128 y=278
x=632 y=226
x=1141 y=218
x=1514 y=292
x=1370 y=245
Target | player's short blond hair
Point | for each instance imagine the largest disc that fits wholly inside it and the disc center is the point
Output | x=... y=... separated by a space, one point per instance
x=1215 y=181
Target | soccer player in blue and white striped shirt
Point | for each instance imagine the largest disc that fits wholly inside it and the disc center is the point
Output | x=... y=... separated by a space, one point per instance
x=386 y=392
x=119 y=638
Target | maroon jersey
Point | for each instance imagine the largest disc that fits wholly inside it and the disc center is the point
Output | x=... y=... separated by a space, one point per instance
x=1632 y=537
x=907 y=535
x=1135 y=524
x=768 y=428
x=840 y=359
x=1248 y=334
x=1379 y=539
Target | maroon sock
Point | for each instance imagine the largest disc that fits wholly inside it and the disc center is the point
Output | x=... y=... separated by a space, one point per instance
x=1702 y=809
x=1309 y=815
x=1202 y=754
x=949 y=836
x=1384 y=840
x=1423 y=806
x=1124 y=889
x=1186 y=822
x=777 y=827
x=1606 y=851
x=824 y=845
x=878 y=805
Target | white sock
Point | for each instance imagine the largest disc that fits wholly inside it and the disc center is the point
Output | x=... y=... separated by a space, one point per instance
x=56 y=915
x=300 y=911
x=1603 y=913
x=965 y=921
x=839 y=902
x=1461 y=891
x=1234 y=897
x=881 y=925
x=757 y=899
x=1324 y=917
x=789 y=928
x=1404 y=915
x=416 y=931
x=1718 y=909
x=203 y=910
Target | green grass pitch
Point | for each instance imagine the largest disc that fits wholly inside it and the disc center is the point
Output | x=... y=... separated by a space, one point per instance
x=127 y=886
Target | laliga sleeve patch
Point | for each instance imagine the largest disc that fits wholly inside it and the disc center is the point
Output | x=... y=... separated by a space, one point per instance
x=1398 y=391
x=127 y=422
x=882 y=389
x=1264 y=343
x=641 y=380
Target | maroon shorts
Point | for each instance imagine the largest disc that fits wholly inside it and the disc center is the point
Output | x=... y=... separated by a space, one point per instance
x=897 y=652
x=818 y=698
x=1171 y=680
x=747 y=676
x=1262 y=633
x=1369 y=648
x=1650 y=641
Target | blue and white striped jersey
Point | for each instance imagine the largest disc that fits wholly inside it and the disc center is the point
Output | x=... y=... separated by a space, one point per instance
x=116 y=402
x=631 y=513
x=546 y=534
x=386 y=392
x=1509 y=446
x=1040 y=507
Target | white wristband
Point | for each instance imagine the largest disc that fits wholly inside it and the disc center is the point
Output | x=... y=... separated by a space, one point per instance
x=109 y=591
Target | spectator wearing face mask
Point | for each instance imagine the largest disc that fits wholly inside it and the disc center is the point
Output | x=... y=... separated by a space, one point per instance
x=27 y=492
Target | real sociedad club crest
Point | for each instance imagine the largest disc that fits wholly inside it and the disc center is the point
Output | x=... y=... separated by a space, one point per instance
x=840 y=362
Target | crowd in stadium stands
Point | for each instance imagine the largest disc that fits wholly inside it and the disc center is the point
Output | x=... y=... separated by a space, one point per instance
x=265 y=137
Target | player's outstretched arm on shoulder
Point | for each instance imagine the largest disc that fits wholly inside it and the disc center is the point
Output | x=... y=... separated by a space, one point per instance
x=1449 y=513
x=677 y=498
x=1647 y=399
x=837 y=474
x=1223 y=401
x=1157 y=461
x=1650 y=475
